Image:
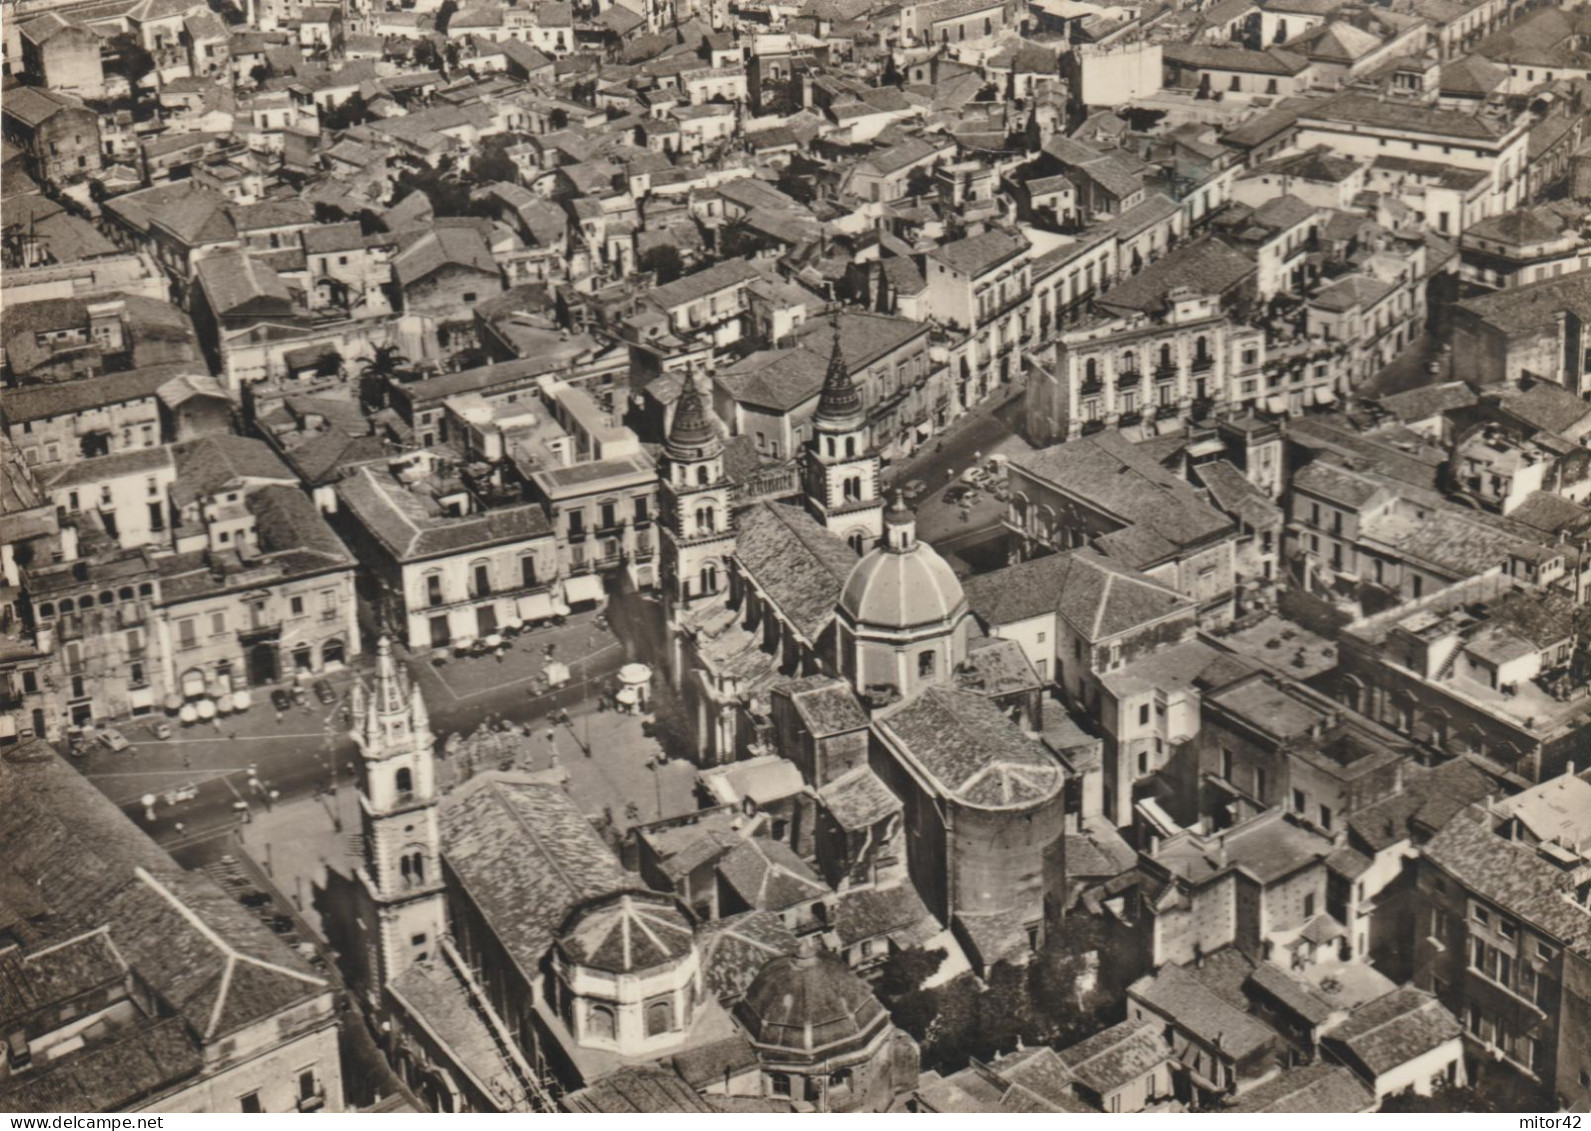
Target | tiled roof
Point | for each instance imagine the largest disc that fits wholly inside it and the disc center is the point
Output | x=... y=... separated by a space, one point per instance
x=1117 y=1056
x=1191 y=1006
x=1513 y=877
x=1208 y=266
x=1111 y=476
x=410 y=530
x=1272 y=61
x=525 y=856
x=736 y=948
x=639 y=1089
x=1311 y=1088
x=1097 y=597
x=799 y=564
x=975 y=255
x=972 y=752
x=1390 y=1031
x=40 y=402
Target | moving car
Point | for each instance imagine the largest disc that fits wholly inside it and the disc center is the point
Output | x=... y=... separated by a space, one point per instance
x=114 y=739
x=324 y=693
x=280 y=699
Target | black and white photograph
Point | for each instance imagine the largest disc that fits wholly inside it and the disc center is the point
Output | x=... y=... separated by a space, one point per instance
x=753 y=557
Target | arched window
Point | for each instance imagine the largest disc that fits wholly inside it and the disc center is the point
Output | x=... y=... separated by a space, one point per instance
x=988 y=26
x=146 y=589
x=857 y=542
x=600 y=1025
x=850 y=446
x=659 y=1017
x=705 y=520
x=66 y=605
x=925 y=665
x=46 y=610
x=1165 y=356
x=107 y=598
x=125 y=593
x=702 y=478
x=332 y=652
x=1091 y=370
x=403 y=781
x=709 y=578
x=831 y=446
x=1129 y=362
x=853 y=488
x=1201 y=351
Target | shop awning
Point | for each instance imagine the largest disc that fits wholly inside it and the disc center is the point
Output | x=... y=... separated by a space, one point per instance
x=140 y=697
x=1325 y=395
x=535 y=606
x=1277 y=405
x=193 y=684
x=587 y=587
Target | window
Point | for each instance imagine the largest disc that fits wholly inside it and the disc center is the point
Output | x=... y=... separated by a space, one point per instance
x=469 y=296
x=306 y=1081
x=1143 y=714
x=1298 y=801
x=250 y=1104
x=1325 y=817
x=217 y=623
x=659 y=1017
x=1481 y=915
x=403 y=781
x=599 y=1022
x=296 y=604
x=1309 y=905
x=925 y=665
x=780 y=1083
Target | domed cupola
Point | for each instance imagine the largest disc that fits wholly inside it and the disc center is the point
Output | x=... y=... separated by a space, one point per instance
x=819 y=1033
x=627 y=972
x=903 y=615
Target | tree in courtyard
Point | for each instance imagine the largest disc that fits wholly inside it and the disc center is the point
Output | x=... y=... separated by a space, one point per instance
x=386 y=364
x=664 y=261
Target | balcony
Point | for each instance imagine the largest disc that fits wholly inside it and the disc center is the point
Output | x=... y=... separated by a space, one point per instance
x=312 y=1103
x=1129 y=418
x=1091 y=386
x=1202 y=364
x=1092 y=426
x=1166 y=411
x=328 y=616
x=1129 y=380
x=1167 y=372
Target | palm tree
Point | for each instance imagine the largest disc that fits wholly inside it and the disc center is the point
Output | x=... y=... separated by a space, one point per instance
x=380 y=370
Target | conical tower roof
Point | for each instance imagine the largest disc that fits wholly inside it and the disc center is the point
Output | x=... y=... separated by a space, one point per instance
x=692 y=434
x=840 y=402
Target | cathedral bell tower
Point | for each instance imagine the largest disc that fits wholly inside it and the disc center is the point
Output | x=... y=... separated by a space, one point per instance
x=402 y=870
x=697 y=521
x=839 y=469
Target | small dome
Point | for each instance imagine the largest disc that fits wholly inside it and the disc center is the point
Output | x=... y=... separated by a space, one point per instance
x=810 y=1005
x=898 y=589
x=626 y=932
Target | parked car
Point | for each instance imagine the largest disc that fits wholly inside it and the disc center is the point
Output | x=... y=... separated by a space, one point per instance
x=954 y=494
x=300 y=696
x=280 y=699
x=114 y=739
x=161 y=729
x=324 y=693
x=976 y=476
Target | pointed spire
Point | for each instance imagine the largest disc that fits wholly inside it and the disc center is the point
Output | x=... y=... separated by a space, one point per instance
x=419 y=717
x=388 y=698
x=692 y=430
x=839 y=404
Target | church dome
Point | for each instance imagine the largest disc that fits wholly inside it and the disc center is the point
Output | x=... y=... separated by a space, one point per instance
x=810 y=1005
x=627 y=932
x=901 y=583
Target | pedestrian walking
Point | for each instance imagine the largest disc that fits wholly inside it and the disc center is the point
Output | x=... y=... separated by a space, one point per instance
x=278 y=711
x=187 y=760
